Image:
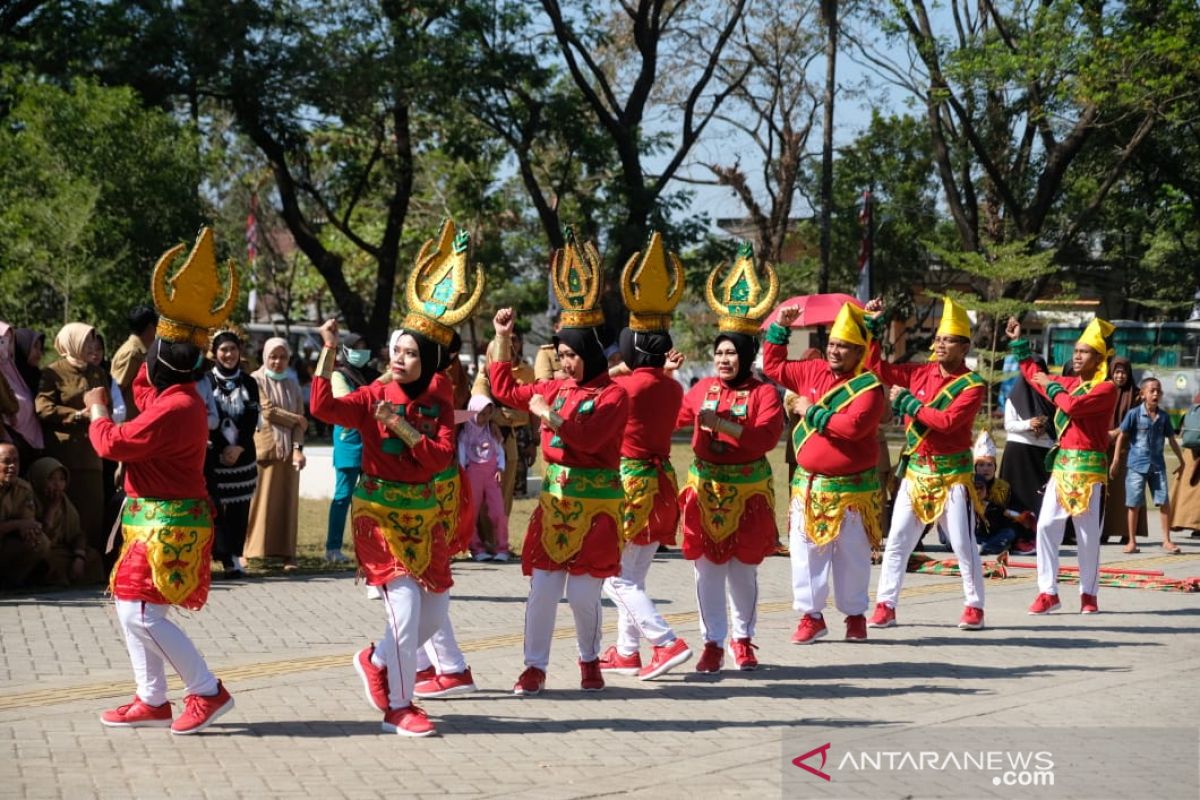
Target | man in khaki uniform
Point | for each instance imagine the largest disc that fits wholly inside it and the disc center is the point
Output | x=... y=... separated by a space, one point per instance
x=508 y=419
x=132 y=354
x=23 y=546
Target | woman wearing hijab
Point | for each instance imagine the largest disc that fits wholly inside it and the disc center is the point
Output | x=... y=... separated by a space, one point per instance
x=1120 y=372
x=21 y=423
x=65 y=421
x=574 y=537
x=1185 y=491
x=728 y=502
x=279 y=446
x=231 y=453
x=351 y=372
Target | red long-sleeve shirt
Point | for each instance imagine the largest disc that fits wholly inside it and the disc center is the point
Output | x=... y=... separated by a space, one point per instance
x=591 y=439
x=847 y=445
x=1090 y=414
x=949 y=429
x=653 y=398
x=163 y=448
x=762 y=423
x=432 y=413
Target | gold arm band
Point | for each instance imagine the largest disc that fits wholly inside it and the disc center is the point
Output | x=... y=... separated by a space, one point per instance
x=504 y=347
x=98 y=411
x=325 y=362
x=407 y=433
x=553 y=419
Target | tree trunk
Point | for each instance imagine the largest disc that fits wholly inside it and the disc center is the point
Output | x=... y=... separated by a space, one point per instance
x=829 y=9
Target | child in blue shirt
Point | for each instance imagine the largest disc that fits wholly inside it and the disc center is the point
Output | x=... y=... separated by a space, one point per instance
x=1146 y=426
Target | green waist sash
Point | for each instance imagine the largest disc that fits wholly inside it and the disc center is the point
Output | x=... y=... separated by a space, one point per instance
x=1090 y=461
x=950 y=464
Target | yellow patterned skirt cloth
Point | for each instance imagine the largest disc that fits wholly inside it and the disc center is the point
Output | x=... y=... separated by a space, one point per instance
x=930 y=479
x=1075 y=474
x=826 y=499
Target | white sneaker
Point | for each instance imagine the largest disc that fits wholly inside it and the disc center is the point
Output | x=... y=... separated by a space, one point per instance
x=373 y=593
x=335 y=557
x=481 y=556
x=501 y=556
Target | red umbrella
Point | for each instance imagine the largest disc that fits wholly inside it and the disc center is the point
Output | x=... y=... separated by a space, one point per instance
x=815 y=309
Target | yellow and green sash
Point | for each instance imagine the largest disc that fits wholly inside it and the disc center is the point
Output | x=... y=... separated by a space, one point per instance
x=639 y=478
x=722 y=491
x=1075 y=474
x=826 y=498
x=930 y=479
x=916 y=432
x=176 y=535
x=571 y=498
x=406 y=514
x=835 y=400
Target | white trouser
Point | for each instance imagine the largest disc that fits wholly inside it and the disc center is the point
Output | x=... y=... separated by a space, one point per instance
x=545 y=591
x=636 y=614
x=958 y=518
x=413 y=616
x=442 y=652
x=711 y=581
x=1052 y=524
x=847 y=559
x=153 y=642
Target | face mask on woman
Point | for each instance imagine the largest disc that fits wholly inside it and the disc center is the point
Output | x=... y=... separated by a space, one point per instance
x=358 y=358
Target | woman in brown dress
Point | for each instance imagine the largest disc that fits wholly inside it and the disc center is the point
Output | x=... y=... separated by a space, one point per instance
x=274 y=511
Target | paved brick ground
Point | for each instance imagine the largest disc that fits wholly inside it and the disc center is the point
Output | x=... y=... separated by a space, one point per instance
x=301 y=727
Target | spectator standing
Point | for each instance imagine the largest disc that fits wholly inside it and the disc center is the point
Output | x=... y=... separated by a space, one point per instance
x=351 y=373
x=20 y=420
x=1028 y=421
x=279 y=446
x=231 y=453
x=481 y=455
x=1120 y=372
x=60 y=406
x=1146 y=426
x=132 y=354
x=1185 y=507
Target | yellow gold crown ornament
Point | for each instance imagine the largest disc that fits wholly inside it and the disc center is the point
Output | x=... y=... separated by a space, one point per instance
x=652 y=286
x=742 y=301
x=576 y=273
x=436 y=290
x=186 y=301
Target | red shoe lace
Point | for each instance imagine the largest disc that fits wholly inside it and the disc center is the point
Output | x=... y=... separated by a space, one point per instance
x=193 y=706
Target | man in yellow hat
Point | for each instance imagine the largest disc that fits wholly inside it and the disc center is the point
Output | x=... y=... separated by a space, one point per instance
x=1084 y=406
x=940 y=400
x=834 y=518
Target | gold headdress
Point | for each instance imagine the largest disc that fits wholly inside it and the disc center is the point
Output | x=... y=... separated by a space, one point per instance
x=743 y=300
x=576 y=274
x=185 y=301
x=436 y=290
x=652 y=287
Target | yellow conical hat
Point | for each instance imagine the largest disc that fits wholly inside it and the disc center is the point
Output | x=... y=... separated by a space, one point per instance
x=652 y=285
x=1096 y=336
x=849 y=325
x=186 y=301
x=954 y=320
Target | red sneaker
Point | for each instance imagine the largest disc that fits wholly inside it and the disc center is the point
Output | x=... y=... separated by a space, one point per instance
x=408 y=721
x=809 y=630
x=1088 y=604
x=374 y=679
x=138 y=715
x=200 y=711
x=884 y=616
x=590 y=677
x=427 y=674
x=1044 y=604
x=856 y=628
x=742 y=651
x=448 y=685
x=612 y=661
x=531 y=682
x=665 y=658
x=711 y=659
x=972 y=619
